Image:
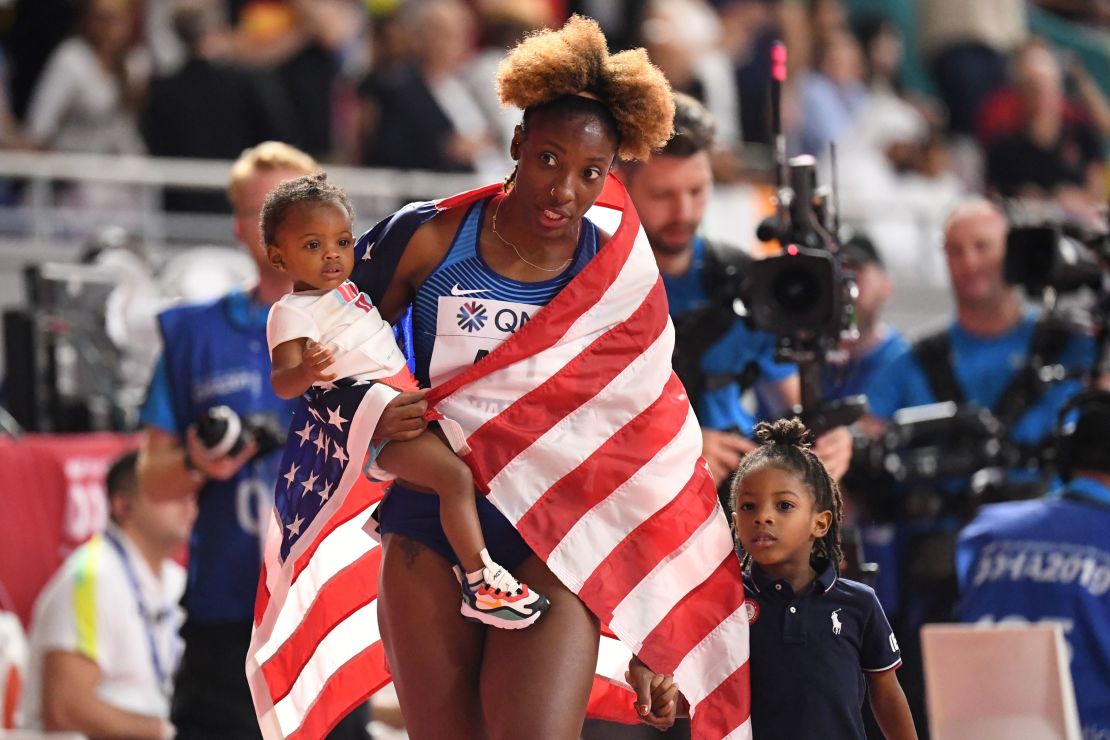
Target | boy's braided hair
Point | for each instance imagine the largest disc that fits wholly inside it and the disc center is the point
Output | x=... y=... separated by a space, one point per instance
x=786 y=443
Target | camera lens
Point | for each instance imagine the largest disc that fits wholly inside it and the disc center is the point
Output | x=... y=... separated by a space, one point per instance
x=221 y=431
x=794 y=290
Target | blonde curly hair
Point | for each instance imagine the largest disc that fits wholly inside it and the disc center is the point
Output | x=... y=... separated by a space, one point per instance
x=575 y=60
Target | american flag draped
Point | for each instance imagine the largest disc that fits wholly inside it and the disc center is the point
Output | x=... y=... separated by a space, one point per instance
x=596 y=462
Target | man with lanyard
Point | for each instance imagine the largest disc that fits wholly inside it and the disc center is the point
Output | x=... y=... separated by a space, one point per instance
x=104 y=640
x=1048 y=560
x=988 y=357
x=717 y=355
x=215 y=354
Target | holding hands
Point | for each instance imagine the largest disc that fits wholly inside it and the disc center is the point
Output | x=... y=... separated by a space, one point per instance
x=657 y=695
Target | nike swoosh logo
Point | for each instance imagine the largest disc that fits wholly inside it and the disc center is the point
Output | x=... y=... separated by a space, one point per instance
x=456 y=290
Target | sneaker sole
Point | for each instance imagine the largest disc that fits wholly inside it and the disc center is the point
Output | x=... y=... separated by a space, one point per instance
x=471 y=614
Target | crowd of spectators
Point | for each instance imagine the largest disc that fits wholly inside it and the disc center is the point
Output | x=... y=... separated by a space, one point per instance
x=409 y=83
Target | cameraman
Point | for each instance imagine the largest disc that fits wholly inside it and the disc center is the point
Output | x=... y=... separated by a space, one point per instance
x=216 y=354
x=988 y=356
x=717 y=355
x=863 y=368
x=1048 y=560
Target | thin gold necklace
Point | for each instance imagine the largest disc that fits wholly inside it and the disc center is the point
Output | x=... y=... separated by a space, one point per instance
x=512 y=246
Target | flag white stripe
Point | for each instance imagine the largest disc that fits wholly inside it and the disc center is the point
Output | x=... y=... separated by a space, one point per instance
x=575 y=437
x=606 y=525
x=743 y=732
x=349 y=638
x=346 y=544
x=715 y=658
x=669 y=582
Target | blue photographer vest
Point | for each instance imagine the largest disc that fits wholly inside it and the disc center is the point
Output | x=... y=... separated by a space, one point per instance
x=216 y=354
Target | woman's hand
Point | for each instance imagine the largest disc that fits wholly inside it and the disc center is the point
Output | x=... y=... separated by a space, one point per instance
x=403 y=417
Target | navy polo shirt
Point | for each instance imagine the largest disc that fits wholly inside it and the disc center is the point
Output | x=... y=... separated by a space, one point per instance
x=809 y=652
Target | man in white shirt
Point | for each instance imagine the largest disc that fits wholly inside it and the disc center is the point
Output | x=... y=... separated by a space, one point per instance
x=104 y=631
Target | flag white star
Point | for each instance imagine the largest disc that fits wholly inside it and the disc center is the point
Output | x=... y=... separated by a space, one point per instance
x=312 y=410
x=326 y=385
x=294 y=527
x=291 y=474
x=340 y=455
x=303 y=434
x=310 y=482
x=366 y=254
x=321 y=442
x=324 y=493
x=335 y=419
x=363 y=381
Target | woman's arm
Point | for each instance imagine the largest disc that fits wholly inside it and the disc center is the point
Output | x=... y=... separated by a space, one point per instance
x=889 y=705
x=297 y=364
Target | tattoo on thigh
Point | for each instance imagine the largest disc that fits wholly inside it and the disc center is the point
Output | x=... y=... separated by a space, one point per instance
x=412 y=550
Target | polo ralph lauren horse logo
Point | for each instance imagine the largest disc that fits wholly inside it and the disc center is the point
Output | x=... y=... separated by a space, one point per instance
x=837 y=626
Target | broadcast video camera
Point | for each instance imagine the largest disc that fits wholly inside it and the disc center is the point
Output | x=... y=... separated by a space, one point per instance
x=805 y=296
x=1048 y=260
x=905 y=471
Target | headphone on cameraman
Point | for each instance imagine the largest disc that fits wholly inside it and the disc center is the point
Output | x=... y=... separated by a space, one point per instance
x=1064 y=433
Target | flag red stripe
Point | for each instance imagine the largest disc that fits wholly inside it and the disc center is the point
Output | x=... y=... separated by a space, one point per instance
x=726 y=707
x=547 y=522
x=519 y=426
x=357 y=502
x=348 y=591
x=698 y=614
x=344 y=690
x=611 y=702
x=663 y=533
x=559 y=314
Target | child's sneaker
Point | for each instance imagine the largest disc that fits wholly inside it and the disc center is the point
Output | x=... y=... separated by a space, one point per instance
x=499 y=600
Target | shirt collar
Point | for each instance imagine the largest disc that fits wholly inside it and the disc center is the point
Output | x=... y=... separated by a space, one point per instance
x=1087 y=489
x=245 y=311
x=826 y=576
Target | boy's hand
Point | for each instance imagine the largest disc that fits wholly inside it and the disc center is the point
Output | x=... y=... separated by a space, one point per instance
x=656 y=695
x=317 y=358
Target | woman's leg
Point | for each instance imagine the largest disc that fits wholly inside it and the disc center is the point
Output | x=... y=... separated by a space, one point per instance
x=536 y=681
x=433 y=653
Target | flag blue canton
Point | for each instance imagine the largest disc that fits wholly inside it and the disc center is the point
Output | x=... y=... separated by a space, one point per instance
x=316 y=455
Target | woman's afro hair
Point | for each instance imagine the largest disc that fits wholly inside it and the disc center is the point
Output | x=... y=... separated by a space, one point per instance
x=575 y=59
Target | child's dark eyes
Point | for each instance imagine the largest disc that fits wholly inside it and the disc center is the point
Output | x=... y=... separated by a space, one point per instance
x=548 y=158
x=748 y=506
x=312 y=245
x=592 y=173
x=344 y=242
x=785 y=505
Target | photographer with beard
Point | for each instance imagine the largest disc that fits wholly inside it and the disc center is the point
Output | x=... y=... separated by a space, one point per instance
x=718 y=356
x=987 y=357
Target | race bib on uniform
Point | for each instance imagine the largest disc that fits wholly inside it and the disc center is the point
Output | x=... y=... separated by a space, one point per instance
x=467 y=329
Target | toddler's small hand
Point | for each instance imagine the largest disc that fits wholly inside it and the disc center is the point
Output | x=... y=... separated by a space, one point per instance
x=317 y=358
